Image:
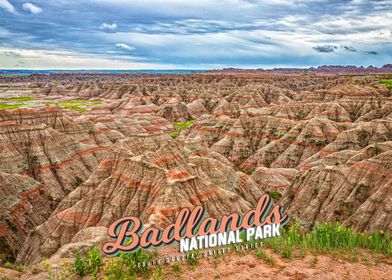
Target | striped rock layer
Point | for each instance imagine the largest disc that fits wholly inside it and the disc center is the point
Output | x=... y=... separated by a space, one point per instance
x=44 y=155
x=151 y=177
x=322 y=141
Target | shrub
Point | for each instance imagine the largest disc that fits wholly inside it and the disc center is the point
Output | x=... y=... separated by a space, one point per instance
x=126 y=265
x=260 y=254
x=94 y=261
x=157 y=274
x=174 y=134
x=176 y=267
x=267 y=163
x=59 y=273
x=36 y=270
x=275 y=195
x=79 y=265
x=90 y=265
x=133 y=259
x=313 y=262
x=78 y=181
x=6 y=254
x=115 y=270
x=273 y=131
x=249 y=172
x=376 y=150
x=34 y=160
x=192 y=258
x=13 y=266
x=326 y=238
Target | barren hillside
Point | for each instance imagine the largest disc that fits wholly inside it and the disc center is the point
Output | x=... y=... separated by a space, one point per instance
x=80 y=151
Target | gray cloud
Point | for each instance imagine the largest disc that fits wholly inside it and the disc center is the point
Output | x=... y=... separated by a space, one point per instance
x=200 y=33
x=349 y=49
x=325 y=48
x=10 y=53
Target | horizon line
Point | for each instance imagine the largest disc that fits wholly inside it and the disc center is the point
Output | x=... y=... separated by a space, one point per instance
x=203 y=69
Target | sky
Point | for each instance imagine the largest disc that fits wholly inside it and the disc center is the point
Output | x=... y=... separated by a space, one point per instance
x=193 y=34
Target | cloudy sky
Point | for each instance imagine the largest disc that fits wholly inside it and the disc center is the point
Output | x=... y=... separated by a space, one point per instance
x=197 y=34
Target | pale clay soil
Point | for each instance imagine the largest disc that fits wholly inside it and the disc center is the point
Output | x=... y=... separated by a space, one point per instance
x=247 y=266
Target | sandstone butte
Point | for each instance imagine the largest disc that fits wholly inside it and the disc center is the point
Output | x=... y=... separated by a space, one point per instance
x=322 y=144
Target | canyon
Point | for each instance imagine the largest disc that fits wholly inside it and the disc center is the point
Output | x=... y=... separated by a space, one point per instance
x=79 y=151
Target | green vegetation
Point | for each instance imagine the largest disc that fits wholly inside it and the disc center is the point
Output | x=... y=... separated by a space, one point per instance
x=50 y=102
x=293 y=242
x=318 y=142
x=33 y=159
x=79 y=265
x=326 y=238
x=10 y=223
x=90 y=265
x=176 y=267
x=126 y=265
x=77 y=105
x=78 y=181
x=250 y=171
x=376 y=150
x=157 y=274
x=267 y=163
x=19 y=99
x=261 y=254
x=243 y=236
x=6 y=106
x=5 y=254
x=363 y=137
x=313 y=262
x=387 y=83
x=7 y=103
x=174 y=134
x=94 y=261
x=275 y=195
x=352 y=75
x=183 y=125
x=64 y=272
x=273 y=132
x=180 y=127
x=192 y=258
x=13 y=266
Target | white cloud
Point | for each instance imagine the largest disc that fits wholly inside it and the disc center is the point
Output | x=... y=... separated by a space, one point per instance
x=201 y=32
x=108 y=27
x=4 y=4
x=30 y=7
x=125 y=47
x=60 y=59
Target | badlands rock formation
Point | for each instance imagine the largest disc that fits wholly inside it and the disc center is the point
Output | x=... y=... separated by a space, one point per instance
x=323 y=143
x=151 y=177
x=46 y=154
